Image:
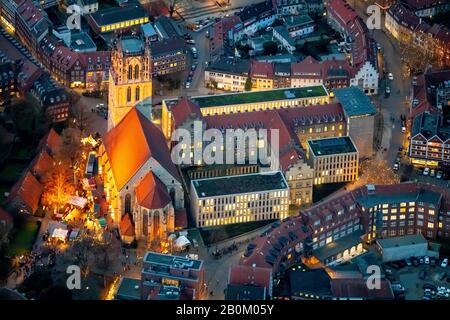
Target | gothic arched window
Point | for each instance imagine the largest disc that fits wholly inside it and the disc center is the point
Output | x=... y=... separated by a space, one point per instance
x=138 y=93
x=127 y=203
x=130 y=72
x=136 y=72
x=128 y=94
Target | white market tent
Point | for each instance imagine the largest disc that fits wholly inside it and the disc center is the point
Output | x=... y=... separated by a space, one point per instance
x=181 y=243
x=74 y=234
x=59 y=233
x=78 y=201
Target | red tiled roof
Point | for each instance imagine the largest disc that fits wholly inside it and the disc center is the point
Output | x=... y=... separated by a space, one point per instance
x=51 y=141
x=65 y=57
x=126 y=226
x=260 y=69
x=41 y=163
x=342 y=11
x=181 y=219
x=307 y=68
x=131 y=143
x=184 y=109
x=29 y=13
x=28 y=189
x=248 y=275
x=151 y=193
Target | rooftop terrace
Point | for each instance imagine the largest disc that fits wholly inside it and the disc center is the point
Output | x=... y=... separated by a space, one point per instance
x=246 y=183
x=172 y=261
x=329 y=146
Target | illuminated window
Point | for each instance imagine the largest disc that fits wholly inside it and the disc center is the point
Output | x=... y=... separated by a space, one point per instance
x=138 y=93
x=136 y=72
x=128 y=94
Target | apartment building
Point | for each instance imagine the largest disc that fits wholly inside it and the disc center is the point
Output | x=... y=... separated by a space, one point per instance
x=185 y=275
x=168 y=56
x=227 y=74
x=333 y=160
x=240 y=198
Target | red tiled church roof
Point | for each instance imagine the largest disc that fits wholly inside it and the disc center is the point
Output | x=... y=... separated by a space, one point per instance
x=151 y=193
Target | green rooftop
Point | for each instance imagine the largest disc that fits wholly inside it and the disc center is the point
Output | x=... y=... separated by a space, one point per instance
x=246 y=183
x=129 y=289
x=328 y=146
x=355 y=102
x=260 y=96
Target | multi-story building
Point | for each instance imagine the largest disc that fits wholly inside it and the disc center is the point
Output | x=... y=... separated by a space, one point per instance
x=282 y=75
x=284 y=39
x=360 y=113
x=299 y=26
x=8 y=11
x=240 y=198
x=130 y=79
x=333 y=230
x=426 y=9
x=249 y=101
x=31 y=25
x=363 y=52
x=401 y=22
x=168 y=56
x=257 y=16
x=227 y=74
x=88 y=6
x=333 y=160
x=118 y=19
x=8 y=79
x=185 y=275
x=30 y=80
x=261 y=75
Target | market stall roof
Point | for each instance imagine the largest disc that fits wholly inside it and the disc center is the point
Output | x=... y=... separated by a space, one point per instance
x=182 y=242
x=78 y=201
x=102 y=222
x=59 y=233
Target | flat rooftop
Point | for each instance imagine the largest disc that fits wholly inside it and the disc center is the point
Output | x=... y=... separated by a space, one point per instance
x=247 y=183
x=132 y=45
x=81 y=41
x=172 y=261
x=402 y=241
x=355 y=102
x=260 y=96
x=129 y=289
x=425 y=196
x=329 y=146
x=118 y=14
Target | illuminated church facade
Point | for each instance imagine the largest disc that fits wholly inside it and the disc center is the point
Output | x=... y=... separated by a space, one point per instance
x=130 y=79
x=143 y=186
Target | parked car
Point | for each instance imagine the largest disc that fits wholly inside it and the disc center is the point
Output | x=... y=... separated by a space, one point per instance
x=442 y=276
x=395 y=166
x=387 y=90
x=444 y=263
x=421 y=260
x=439 y=175
x=190 y=41
x=390 y=76
x=429 y=286
x=403 y=129
x=432 y=173
x=427 y=260
x=426 y=171
x=269 y=28
x=408 y=262
x=419 y=172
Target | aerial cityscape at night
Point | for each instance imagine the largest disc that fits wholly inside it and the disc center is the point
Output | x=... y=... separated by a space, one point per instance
x=224 y=150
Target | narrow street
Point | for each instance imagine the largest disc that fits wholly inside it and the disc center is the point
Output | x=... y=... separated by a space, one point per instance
x=394 y=105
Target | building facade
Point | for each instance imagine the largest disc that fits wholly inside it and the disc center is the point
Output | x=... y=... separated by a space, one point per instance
x=130 y=79
x=240 y=198
x=333 y=160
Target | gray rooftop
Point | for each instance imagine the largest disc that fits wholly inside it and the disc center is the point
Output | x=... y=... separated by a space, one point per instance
x=241 y=292
x=119 y=14
x=329 y=146
x=427 y=124
x=172 y=261
x=339 y=245
x=239 y=184
x=425 y=196
x=148 y=30
x=402 y=241
x=82 y=42
x=230 y=65
x=283 y=32
x=292 y=21
x=355 y=102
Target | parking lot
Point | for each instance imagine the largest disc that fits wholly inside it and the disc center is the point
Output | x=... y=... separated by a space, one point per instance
x=408 y=279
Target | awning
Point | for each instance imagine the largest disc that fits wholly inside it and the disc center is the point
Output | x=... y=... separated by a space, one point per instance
x=77 y=201
x=74 y=234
